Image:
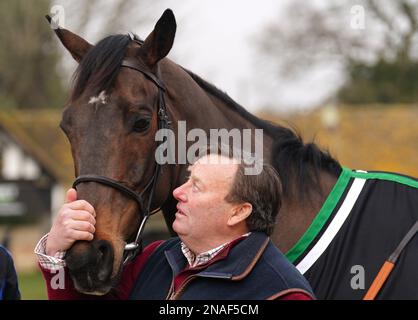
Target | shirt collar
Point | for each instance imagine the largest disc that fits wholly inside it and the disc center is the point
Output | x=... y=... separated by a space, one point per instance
x=202 y=258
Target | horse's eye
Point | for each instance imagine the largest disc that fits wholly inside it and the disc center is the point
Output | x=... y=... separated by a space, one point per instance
x=141 y=125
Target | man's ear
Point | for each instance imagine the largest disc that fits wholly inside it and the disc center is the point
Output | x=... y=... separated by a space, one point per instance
x=159 y=42
x=240 y=213
x=76 y=45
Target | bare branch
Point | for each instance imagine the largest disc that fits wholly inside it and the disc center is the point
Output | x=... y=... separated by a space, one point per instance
x=372 y=4
x=409 y=12
x=308 y=35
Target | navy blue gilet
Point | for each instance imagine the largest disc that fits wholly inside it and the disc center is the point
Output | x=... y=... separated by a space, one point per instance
x=254 y=269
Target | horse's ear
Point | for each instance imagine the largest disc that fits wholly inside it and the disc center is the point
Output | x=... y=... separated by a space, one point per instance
x=76 y=45
x=159 y=42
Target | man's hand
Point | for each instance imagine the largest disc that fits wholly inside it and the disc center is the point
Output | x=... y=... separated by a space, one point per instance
x=75 y=221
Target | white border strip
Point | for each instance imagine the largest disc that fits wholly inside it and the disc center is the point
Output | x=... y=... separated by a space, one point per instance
x=333 y=228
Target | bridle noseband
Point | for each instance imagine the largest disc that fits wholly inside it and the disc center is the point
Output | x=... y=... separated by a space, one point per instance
x=133 y=248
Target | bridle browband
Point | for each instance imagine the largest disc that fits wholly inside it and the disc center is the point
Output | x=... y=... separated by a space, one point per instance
x=133 y=248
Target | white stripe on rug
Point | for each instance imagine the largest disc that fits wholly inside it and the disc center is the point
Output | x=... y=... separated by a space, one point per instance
x=333 y=228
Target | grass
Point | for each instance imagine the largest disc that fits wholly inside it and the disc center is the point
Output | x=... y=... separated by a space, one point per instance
x=32 y=286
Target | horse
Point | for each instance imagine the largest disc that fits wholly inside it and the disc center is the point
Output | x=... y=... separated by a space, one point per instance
x=338 y=226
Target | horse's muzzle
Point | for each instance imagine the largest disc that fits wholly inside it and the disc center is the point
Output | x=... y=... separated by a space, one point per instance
x=90 y=265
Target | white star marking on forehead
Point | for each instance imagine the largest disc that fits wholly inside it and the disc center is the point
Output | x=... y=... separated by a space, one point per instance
x=100 y=98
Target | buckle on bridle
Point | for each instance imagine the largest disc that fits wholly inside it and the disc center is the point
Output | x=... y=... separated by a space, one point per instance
x=163 y=117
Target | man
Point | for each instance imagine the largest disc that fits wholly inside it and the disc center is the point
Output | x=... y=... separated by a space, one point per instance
x=9 y=289
x=222 y=250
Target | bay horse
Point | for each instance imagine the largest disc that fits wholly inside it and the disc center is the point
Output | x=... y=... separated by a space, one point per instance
x=338 y=226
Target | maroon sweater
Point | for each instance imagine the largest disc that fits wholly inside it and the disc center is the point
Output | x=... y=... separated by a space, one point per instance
x=129 y=275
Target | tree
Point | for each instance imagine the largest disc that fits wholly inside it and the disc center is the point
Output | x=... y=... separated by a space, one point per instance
x=377 y=54
x=28 y=75
x=101 y=17
x=32 y=75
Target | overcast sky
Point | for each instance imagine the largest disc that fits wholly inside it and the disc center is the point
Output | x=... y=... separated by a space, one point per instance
x=216 y=39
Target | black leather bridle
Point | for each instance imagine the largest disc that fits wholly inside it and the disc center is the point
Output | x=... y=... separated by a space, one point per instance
x=133 y=248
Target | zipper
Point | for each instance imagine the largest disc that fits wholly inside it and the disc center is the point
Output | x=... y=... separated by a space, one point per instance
x=170 y=290
x=175 y=295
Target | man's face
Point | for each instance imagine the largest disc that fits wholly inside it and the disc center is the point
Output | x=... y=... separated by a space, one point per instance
x=202 y=212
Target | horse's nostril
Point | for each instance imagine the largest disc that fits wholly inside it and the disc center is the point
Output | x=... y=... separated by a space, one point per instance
x=104 y=259
x=102 y=251
x=91 y=264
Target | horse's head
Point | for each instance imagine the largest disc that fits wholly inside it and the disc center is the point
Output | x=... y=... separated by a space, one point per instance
x=110 y=120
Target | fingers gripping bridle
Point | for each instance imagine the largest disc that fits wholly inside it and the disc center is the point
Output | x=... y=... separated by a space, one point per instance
x=133 y=248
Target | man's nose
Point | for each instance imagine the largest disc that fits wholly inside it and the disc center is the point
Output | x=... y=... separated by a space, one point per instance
x=179 y=193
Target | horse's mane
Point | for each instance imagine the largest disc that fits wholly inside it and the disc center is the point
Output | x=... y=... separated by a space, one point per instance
x=100 y=66
x=299 y=164
x=268 y=126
